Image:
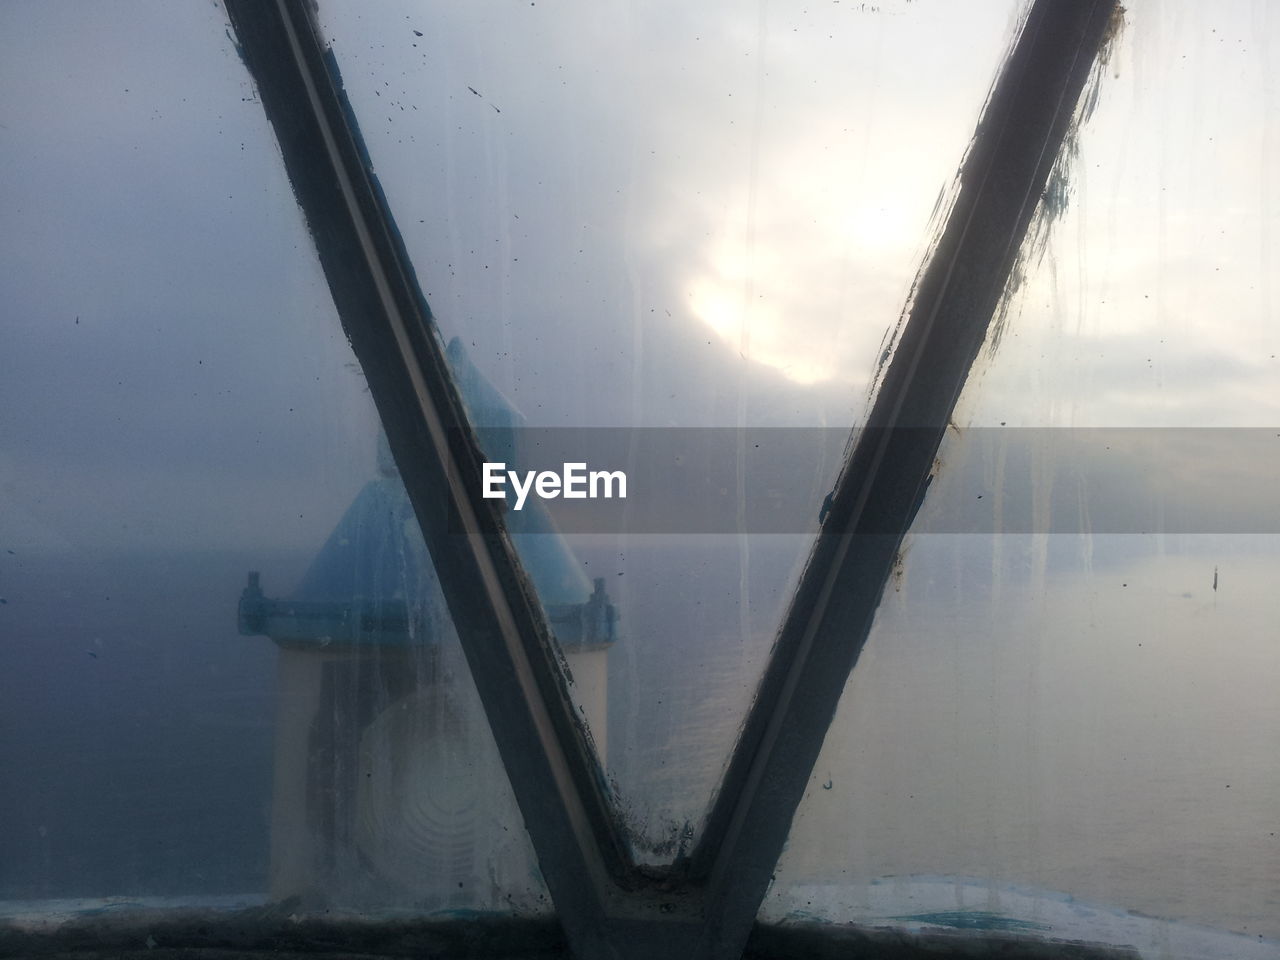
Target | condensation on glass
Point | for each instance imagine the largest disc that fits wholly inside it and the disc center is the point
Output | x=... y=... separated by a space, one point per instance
x=183 y=424
x=1063 y=725
x=673 y=216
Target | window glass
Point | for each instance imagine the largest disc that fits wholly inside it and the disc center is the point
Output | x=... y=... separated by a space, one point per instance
x=180 y=413
x=664 y=217
x=1064 y=721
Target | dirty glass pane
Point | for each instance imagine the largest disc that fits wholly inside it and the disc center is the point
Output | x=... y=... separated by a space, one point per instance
x=665 y=217
x=1065 y=721
x=180 y=414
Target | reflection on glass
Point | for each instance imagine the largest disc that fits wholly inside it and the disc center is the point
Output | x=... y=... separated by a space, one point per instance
x=384 y=766
x=1074 y=734
x=673 y=215
x=180 y=408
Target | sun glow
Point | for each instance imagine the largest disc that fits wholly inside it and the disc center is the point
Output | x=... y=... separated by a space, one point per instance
x=809 y=283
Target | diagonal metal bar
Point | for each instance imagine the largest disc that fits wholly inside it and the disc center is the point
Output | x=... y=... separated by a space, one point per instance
x=545 y=750
x=884 y=481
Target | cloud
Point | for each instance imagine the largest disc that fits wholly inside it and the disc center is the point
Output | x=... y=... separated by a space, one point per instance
x=655 y=175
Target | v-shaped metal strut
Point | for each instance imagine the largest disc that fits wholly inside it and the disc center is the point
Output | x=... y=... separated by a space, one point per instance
x=703 y=908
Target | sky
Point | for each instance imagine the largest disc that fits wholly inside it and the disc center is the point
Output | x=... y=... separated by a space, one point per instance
x=1153 y=303
x=703 y=212
x=633 y=215
x=656 y=214
x=173 y=372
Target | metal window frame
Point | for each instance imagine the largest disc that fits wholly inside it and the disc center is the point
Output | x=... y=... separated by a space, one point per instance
x=703 y=907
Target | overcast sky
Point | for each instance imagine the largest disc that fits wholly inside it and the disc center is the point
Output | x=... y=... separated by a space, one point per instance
x=652 y=214
x=172 y=370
